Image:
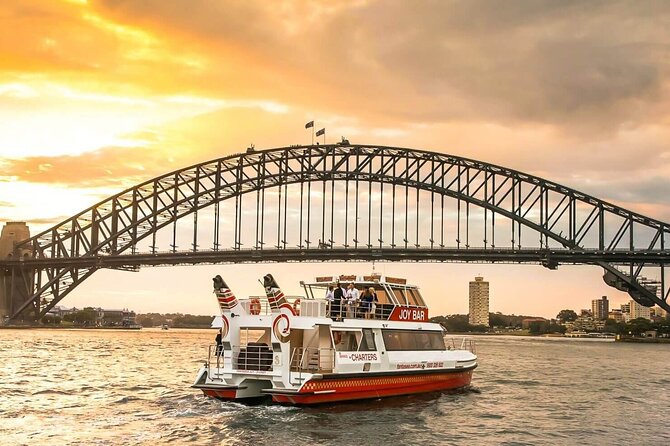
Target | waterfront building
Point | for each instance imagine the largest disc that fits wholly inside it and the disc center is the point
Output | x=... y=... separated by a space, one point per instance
x=617 y=315
x=585 y=323
x=637 y=311
x=479 y=302
x=657 y=314
x=600 y=308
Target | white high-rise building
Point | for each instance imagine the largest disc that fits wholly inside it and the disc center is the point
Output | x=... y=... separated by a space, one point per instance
x=637 y=310
x=479 y=302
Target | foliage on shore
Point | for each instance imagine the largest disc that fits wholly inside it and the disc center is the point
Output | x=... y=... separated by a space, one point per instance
x=176 y=320
x=458 y=323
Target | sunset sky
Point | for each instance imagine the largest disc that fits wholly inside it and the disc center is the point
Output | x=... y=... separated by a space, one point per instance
x=96 y=96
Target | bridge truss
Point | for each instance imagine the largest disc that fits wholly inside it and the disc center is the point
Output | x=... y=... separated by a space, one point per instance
x=342 y=202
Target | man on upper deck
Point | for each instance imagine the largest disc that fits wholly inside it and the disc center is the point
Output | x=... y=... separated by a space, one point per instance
x=336 y=306
x=353 y=296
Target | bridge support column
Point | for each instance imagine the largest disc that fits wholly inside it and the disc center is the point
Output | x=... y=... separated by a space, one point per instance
x=16 y=283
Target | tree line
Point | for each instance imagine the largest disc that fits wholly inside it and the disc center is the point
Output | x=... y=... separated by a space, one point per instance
x=459 y=323
x=176 y=320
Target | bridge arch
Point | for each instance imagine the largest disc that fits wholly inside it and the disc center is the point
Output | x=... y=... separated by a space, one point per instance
x=568 y=226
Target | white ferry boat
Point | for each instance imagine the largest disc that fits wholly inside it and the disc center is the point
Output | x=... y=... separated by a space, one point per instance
x=310 y=351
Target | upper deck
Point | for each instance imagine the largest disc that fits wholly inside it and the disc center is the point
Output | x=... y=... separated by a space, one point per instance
x=396 y=299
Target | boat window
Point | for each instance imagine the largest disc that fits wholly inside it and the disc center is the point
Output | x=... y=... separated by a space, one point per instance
x=400 y=296
x=382 y=296
x=254 y=335
x=367 y=341
x=412 y=340
x=414 y=298
x=345 y=341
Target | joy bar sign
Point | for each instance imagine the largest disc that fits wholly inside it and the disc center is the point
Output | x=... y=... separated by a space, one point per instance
x=409 y=314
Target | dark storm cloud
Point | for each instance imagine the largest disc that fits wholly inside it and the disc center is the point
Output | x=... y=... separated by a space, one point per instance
x=589 y=66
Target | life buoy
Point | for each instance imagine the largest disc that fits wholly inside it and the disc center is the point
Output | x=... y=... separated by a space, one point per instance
x=296 y=307
x=255 y=306
x=337 y=337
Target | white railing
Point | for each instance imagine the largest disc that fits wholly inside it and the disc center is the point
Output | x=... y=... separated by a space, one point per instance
x=461 y=344
x=312 y=360
x=251 y=357
x=340 y=311
x=262 y=306
x=323 y=308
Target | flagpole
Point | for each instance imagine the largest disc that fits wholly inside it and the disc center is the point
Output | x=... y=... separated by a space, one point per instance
x=324 y=137
x=312 y=135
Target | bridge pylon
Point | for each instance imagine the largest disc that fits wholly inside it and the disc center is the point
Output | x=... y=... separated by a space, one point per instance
x=16 y=283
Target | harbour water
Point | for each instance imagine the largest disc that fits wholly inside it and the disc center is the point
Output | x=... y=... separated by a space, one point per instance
x=97 y=387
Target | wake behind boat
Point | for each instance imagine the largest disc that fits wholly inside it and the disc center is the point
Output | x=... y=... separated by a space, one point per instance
x=315 y=350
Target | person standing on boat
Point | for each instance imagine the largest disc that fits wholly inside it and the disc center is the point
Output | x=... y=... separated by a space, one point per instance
x=353 y=297
x=330 y=297
x=336 y=308
x=219 y=342
x=366 y=302
x=372 y=303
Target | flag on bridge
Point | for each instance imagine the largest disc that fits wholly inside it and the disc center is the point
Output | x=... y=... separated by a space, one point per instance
x=309 y=124
x=321 y=132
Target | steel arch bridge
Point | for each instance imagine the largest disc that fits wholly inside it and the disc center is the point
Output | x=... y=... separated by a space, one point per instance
x=342 y=202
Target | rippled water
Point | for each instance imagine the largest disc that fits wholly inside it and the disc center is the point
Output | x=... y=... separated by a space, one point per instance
x=62 y=387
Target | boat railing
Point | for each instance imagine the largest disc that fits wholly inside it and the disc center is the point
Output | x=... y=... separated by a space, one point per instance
x=255 y=356
x=312 y=360
x=461 y=344
x=259 y=305
x=214 y=361
x=339 y=311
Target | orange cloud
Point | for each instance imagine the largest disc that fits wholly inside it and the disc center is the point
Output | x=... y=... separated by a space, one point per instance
x=111 y=166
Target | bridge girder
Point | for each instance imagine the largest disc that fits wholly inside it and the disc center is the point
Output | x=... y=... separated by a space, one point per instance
x=108 y=234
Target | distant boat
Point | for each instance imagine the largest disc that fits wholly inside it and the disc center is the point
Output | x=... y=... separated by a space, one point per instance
x=164 y=327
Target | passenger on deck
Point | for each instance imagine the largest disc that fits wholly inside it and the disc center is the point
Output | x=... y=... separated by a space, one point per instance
x=338 y=297
x=373 y=304
x=219 y=342
x=353 y=297
x=330 y=297
x=366 y=303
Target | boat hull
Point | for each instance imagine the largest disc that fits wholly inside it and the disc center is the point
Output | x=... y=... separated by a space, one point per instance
x=336 y=388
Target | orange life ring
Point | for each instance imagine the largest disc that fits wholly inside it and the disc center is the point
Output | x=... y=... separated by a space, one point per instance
x=337 y=337
x=296 y=307
x=255 y=306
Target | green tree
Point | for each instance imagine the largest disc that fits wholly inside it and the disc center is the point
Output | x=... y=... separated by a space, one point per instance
x=86 y=316
x=638 y=326
x=457 y=323
x=556 y=328
x=566 y=316
x=146 y=321
x=189 y=320
x=538 y=327
x=612 y=326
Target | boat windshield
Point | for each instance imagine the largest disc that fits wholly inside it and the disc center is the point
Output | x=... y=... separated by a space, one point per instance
x=399 y=340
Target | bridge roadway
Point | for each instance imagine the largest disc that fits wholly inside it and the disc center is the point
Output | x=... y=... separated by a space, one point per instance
x=549 y=258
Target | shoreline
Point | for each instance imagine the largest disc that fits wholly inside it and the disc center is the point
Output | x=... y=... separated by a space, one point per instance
x=51 y=327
